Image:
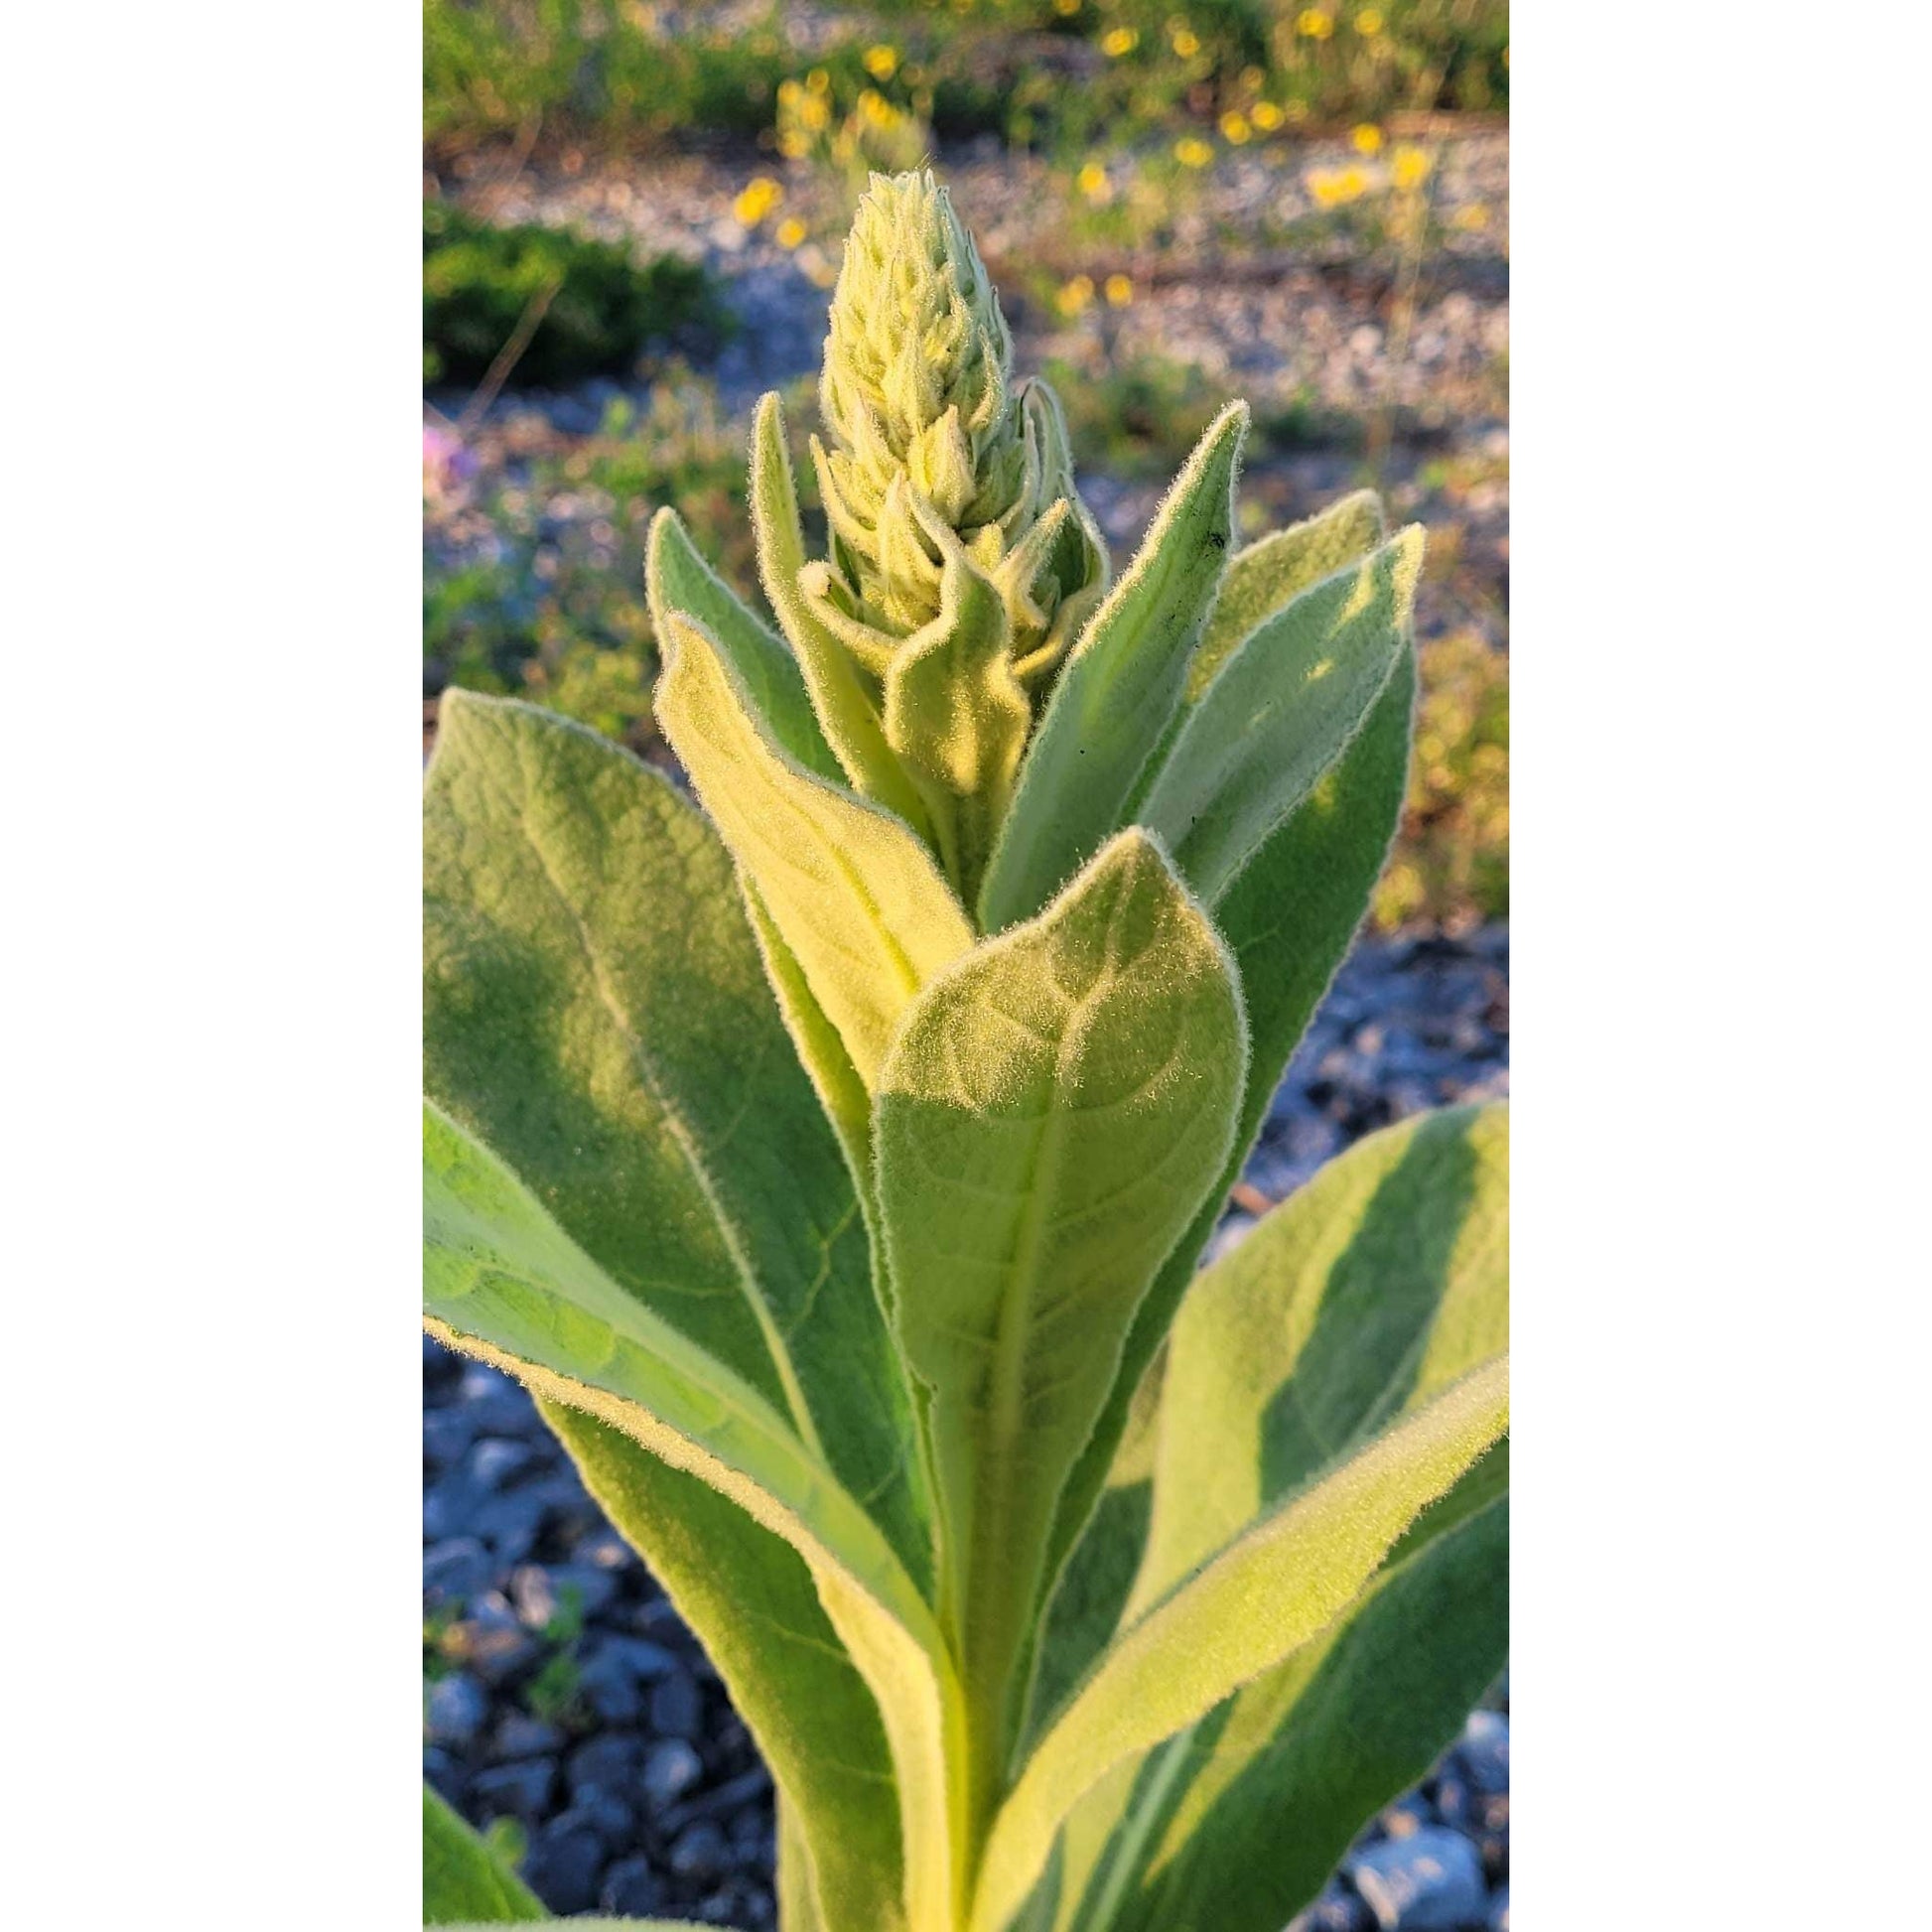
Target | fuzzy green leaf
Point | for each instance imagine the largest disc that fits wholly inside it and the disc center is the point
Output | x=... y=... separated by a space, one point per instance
x=848 y=712
x=1381 y=1283
x=463 y=1880
x=596 y=1011
x=1252 y=1604
x=502 y=1282
x=1361 y=1296
x=1279 y=714
x=1046 y=1122
x=751 y=1599
x=1289 y=919
x=1192 y=1838
x=854 y=892
x=1268 y=573
x=1119 y=688
x=678 y=579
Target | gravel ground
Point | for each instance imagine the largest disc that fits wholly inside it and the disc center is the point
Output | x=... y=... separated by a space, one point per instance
x=565 y=1693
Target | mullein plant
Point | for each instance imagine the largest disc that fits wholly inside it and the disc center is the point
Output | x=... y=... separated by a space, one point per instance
x=834 y=1162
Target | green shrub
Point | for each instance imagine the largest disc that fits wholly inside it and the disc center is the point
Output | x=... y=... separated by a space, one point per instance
x=598 y=307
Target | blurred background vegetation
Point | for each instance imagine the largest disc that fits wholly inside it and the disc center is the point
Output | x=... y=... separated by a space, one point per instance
x=632 y=217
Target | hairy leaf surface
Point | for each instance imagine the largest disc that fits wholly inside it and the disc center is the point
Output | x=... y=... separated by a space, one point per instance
x=1280 y=713
x=596 y=1011
x=1269 y=571
x=1253 y=1603
x=1119 y=688
x=1045 y=1124
x=751 y=1599
x=502 y=1282
x=1288 y=920
x=856 y=895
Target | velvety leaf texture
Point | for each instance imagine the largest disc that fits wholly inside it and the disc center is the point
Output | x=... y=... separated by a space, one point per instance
x=1370 y=1291
x=1045 y=1124
x=751 y=1599
x=1120 y=685
x=1288 y=920
x=596 y=1011
x=857 y=897
x=1256 y=1602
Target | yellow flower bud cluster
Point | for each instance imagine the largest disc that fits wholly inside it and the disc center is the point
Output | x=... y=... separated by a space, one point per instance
x=932 y=448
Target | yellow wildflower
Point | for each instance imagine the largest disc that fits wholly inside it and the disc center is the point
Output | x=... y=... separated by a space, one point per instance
x=1331 y=186
x=1315 y=25
x=1409 y=167
x=758 y=198
x=1067 y=8
x=1120 y=291
x=819 y=81
x=1074 y=295
x=1118 y=41
x=815 y=113
x=1473 y=217
x=1092 y=181
x=1367 y=137
x=1235 y=131
x=1267 y=117
x=882 y=62
x=876 y=110
x=790 y=232
x=1368 y=22
x=1184 y=43
x=1192 y=152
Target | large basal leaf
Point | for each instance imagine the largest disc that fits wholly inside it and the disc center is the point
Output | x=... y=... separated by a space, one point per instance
x=1256 y=1602
x=847 y=712
x=1045 y=1125
x=1119 y=689
x=465 y=1881
x=857 y=895
x=1371 y=1289
x=1264 y=576
x=502 y=1282
x=1361 y=1296
x=1288 y=920
x=1235 y=1823
x=1280 y=713
x=751 y=1599
x=596 y=1011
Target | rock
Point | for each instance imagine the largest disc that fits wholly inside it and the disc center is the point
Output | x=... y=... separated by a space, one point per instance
x=676 y=1707
x=701 y=1852
x=455 y=1568
x=1405 y=1817
x=447 y=1433
x=614 y=1819
x=533 y=1596
x=591 y=1589
x=1334 y=1912
x=521 y=1790
x=1454 y=1801
x=632 y=1889
x=610 y=1763
x=671 y=1768
x=1484 y=1751
x=566 y=1864
x=518 y=1735
x=1429 y=1881
x=446 y=1774
x=456 y=1710
x=610 y=1691
x=1498 y=1920
x=494 y=1463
